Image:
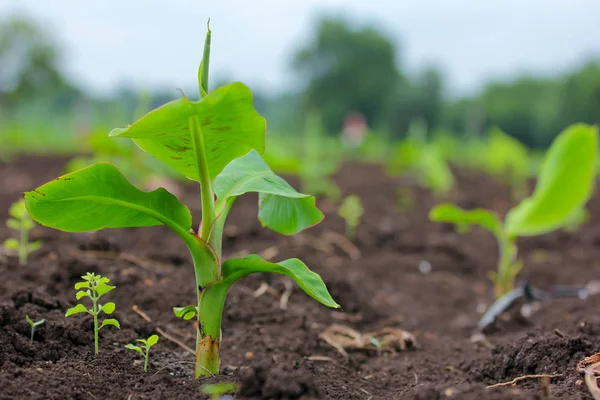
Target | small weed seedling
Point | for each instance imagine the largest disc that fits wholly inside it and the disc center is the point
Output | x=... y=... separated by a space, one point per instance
x=144 y=349
x=33 y=325
x=508 y=159
x=94 y=286
x=564 y=185
x=21 y=222
x=352 y=211
x=425 y=163
x=217 y=142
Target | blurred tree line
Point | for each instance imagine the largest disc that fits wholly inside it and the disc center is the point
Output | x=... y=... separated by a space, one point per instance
x=355 y=69
x=343 y=69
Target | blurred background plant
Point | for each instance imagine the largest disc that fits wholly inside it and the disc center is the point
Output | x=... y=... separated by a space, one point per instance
x=355 y=91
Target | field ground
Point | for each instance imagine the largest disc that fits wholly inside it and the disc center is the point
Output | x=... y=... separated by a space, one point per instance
x=274 y=348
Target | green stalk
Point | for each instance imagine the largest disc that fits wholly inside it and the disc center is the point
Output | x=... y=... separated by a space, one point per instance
x=32 y=331
x=23 y=243
x=508 y=268
x=212 y=301
x=210 y=298
x=146 y=359
x=95 y=312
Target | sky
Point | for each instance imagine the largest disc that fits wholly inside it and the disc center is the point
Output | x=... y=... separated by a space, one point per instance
x=158 y=43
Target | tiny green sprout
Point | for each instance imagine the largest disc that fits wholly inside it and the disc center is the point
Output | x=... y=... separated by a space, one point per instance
x=352 y=211
x=564 y=184
x=425 y=162
x=217 y=141
x=95 y=286
x=508 y=159
x=144 y=349
x=33 y=325
x=375 y=342
x=21 y=221
x=217 y=390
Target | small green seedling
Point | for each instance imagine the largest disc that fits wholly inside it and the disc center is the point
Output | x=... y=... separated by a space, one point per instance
x=94 y=287
x=352 y=211
x=33 y=325
x=144 y=349
x=21 y=222
x=217 y=142
x=217 y=390
x=564 y=185
x=317 y=162
x=508 y=159
x=425 y=162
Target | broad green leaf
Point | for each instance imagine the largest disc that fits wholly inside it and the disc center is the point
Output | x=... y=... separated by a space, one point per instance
x=108 y=308
x=456 y=215
x=81 y=294
x=152 y=340
x=29 y=321
x=99 y=197
x=236 y=268
x=79 y=308
x=110 y=321
x=281 y=207
x=11 y=244
x=13 y=224
x=187 y=312
x=564 y=184
x=102 y=288
x=134 y=347
x=230 y=127
x=82 y=285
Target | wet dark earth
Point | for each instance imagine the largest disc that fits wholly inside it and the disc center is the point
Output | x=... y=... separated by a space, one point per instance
x=420 y=283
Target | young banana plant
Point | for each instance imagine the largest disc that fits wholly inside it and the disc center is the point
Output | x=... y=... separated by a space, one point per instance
x=217 y=142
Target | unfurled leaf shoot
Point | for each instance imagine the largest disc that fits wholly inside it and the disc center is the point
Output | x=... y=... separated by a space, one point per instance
x=94 y=287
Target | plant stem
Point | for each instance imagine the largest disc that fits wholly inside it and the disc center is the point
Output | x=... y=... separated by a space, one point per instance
x=146 y=360
x=32 y=331
x=95 y=313
x=23 y=242
x=507 y=267
x=211 y=304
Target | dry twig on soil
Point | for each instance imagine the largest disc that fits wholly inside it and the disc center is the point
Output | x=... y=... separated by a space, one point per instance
x=344 y=338
x=590 y=366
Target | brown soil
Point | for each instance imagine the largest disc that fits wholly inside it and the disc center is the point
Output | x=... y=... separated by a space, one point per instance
x=278 y=354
